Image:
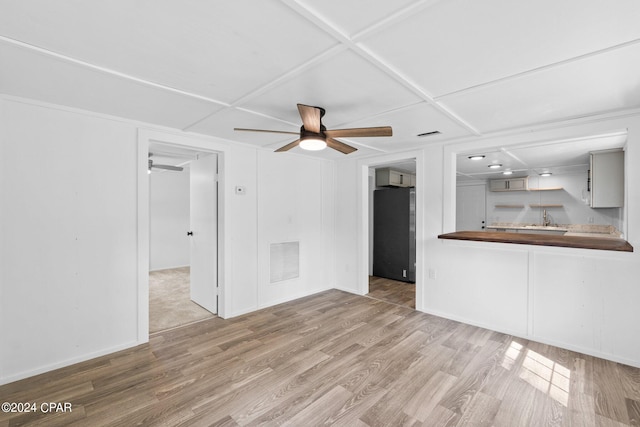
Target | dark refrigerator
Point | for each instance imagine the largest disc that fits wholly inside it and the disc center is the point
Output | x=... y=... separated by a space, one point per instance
x=394 y=234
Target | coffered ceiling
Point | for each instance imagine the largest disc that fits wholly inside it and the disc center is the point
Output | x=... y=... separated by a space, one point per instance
x=461 y=67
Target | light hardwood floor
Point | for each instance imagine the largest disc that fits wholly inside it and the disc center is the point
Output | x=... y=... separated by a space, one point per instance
x=392 y=291
x=335 y=359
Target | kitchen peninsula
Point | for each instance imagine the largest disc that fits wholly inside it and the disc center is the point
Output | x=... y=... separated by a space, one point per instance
x=571 y=236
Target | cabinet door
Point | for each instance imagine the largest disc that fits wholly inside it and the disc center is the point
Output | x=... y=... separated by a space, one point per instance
x=517 y=184
x=607 y=179
x=498 y=185
x=395 y=178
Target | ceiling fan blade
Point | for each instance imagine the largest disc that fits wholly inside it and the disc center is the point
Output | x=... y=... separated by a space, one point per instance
x=340 y=146
x=266 y=130
x=355 y=132
x=167 y=167
x=310 y=117
x=289 y=146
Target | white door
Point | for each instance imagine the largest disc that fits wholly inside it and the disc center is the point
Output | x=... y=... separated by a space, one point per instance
x=204 y=232
x=470 y=207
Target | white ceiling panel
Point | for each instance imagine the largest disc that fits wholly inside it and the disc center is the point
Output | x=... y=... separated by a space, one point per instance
x=72 y=85
x=458 y=44
x=221 y=124
x=407 y=124
x=220 y=49
x=359 y=14
x=596 y=84
x=345 y=85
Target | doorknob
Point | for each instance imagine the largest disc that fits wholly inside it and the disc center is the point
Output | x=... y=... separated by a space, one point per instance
x=189 y=233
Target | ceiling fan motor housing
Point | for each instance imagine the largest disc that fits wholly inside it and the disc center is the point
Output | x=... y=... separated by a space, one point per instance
x=304 y=134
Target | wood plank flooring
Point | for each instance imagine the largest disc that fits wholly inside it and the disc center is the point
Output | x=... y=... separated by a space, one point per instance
x=335 y=359
x=393 y=291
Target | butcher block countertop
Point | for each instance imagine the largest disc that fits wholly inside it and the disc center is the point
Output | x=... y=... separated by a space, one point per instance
x=583 y=242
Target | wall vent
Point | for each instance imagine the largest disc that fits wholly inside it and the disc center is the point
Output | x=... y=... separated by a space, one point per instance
x=284 y=261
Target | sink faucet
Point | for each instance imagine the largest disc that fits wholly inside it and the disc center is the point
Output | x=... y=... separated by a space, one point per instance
x=545 y=220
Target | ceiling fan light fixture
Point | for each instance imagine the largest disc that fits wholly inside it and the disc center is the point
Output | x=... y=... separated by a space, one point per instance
x=313 y=143
x=314 y=136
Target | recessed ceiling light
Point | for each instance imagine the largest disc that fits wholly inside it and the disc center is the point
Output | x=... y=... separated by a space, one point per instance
x=507 y=172
x=495 y=166
x=545 y=174
x=476 y=157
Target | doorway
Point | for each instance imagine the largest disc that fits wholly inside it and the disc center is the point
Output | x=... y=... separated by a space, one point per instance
x=392 y=232
x=183 y=240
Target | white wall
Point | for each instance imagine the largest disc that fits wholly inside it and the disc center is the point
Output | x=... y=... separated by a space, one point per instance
x=578 y=299
x=68 y=254
x=349 y=219
x=73 y=231
x=295 y=207
x=169 y=219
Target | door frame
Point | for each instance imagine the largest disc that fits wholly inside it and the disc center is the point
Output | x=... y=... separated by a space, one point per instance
x=191 y=142
x=363 y=166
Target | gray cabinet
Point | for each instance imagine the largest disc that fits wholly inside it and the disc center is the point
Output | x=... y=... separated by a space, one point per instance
x=511 y=184
x=607 y=178
x=387 y=177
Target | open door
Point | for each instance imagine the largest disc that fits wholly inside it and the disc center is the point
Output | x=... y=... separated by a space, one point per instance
x=204 y=232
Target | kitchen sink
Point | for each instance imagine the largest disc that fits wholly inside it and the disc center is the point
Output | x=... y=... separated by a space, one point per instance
x=549 y=231
x=543 y=229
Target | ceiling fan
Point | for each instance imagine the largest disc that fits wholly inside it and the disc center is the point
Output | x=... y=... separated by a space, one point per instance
x=314 y=135
x=165 y=167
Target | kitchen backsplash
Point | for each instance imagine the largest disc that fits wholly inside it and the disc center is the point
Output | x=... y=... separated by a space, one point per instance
x=516 y=206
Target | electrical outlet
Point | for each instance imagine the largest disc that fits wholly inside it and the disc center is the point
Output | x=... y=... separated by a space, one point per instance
x=404 y=273
x=432 y=273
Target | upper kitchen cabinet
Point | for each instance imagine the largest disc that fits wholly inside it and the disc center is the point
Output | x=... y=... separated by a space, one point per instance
x=387 y=177
x=511 y=184
x=607 y=178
